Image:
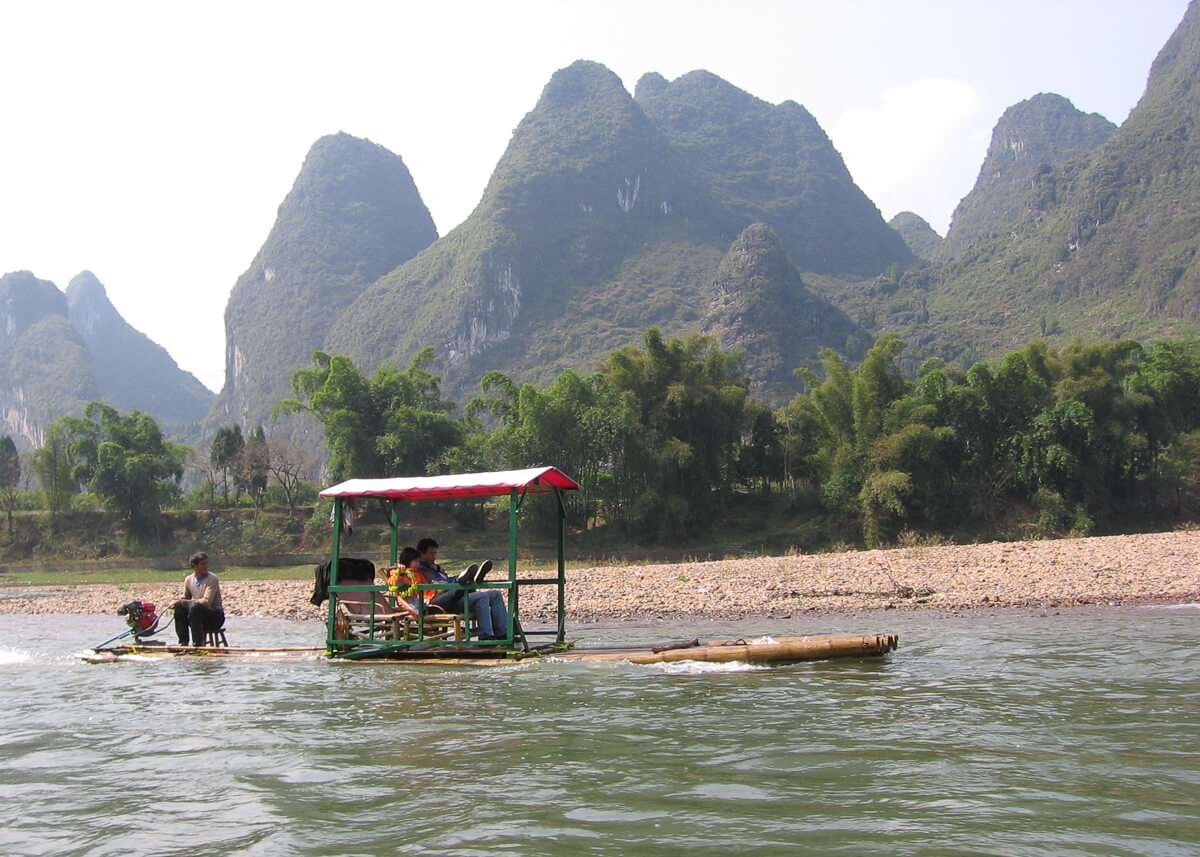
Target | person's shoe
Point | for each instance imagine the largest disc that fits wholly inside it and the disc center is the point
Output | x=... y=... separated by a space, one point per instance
x=468 y=576
x=483 y=569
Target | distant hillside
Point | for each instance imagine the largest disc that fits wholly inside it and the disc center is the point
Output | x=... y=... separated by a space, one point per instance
x=1031 y=137
x=759 y=302
x=597 y=224
x=775 y=165
x=45 y=371
x=920 y=237
x=352 y=215
x=1105 y=245
x=60 y=351
x=130 y=370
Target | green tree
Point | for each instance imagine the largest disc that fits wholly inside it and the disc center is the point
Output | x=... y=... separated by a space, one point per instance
x=126 y=462
x=52 y=465
x=254 y=467
x=10 y=477
x=571 y=424
x=225 y=456
x=681 y=407
x=396 y=423
x=880 y=445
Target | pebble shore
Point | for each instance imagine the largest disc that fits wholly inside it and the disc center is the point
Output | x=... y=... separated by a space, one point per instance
x=1155 y=568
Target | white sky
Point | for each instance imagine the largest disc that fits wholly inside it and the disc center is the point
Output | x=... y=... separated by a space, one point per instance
x=152 y=143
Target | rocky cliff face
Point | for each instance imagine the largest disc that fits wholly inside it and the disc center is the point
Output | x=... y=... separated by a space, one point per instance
x=352 y=215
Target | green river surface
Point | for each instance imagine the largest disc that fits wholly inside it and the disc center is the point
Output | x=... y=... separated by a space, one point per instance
x=1015 y=733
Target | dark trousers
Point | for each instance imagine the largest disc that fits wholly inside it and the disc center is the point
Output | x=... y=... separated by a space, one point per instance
x=450 y=600
x=197 y=618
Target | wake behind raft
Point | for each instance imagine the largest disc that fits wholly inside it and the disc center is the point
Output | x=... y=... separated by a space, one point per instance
x=391 y=622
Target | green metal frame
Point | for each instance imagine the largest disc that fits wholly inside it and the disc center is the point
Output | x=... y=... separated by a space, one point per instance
x=354 y=649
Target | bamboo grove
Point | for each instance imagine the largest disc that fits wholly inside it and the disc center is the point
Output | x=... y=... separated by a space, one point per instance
x=670 y=443
x=667 y=437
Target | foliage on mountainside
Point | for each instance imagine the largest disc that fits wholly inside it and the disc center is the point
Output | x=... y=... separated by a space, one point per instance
x=1103 y=245
x=131 y=371
x=45 y=370
x=1030 y=139
x=352 y=215
x=598 y=223
x=759 y=303
x=773 y=164
x=920 y=237
x=59 y=351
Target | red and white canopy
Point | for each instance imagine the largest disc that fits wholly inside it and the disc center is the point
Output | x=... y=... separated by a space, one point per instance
x=456 y=486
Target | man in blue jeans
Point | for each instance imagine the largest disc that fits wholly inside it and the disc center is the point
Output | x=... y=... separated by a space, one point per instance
x=487 y=604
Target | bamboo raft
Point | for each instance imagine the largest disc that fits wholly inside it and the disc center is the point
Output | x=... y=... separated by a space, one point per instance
x=766 y=650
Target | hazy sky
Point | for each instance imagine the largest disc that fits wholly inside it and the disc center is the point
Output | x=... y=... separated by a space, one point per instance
x=152 y=143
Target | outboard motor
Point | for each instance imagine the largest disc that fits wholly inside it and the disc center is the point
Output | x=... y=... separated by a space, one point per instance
x=140 y=617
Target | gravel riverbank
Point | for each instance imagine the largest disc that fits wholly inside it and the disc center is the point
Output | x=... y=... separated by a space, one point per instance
x=1156 y=568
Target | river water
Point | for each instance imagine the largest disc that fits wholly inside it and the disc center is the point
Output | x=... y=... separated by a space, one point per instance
x=1014 y=734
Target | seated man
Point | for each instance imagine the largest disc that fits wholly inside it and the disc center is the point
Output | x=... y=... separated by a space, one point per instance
x=200 y=609
x=487 y=604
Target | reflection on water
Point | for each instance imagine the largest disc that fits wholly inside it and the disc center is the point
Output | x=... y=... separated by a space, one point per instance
x=1007 y=735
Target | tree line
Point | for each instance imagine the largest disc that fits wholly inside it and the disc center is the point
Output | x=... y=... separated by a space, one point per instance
x=666 y=439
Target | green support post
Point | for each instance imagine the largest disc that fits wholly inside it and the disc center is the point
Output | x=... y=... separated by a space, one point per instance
x=514 y=605
x=562 y=566
x=333 y=569
x=391 y=516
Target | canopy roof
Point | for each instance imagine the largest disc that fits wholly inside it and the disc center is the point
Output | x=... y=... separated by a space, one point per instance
x=456 y=486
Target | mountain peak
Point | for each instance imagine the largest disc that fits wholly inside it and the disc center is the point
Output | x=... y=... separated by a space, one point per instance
x=774 y=164
x=88 y=304
x=1031 y=137
x=132 y=371
x=760 y=302
x=920 y=237
x=580 y=82
x=353 y=215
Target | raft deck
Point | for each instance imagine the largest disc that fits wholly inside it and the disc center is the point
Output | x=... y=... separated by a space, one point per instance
x=764 y=650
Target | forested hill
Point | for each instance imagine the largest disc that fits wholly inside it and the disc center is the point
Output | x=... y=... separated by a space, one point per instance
x=1101 y=246
x=608 y=214
x=775 y=165
x=1031 y=137
x=60 y=351
x=352 y=215
x=131 y=371
x=693 y=207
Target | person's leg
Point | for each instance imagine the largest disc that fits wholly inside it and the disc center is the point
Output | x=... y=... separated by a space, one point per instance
x=181 y=624
x=450 y=600
x=203 y=618
x=499 y=612
x=483 y=614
